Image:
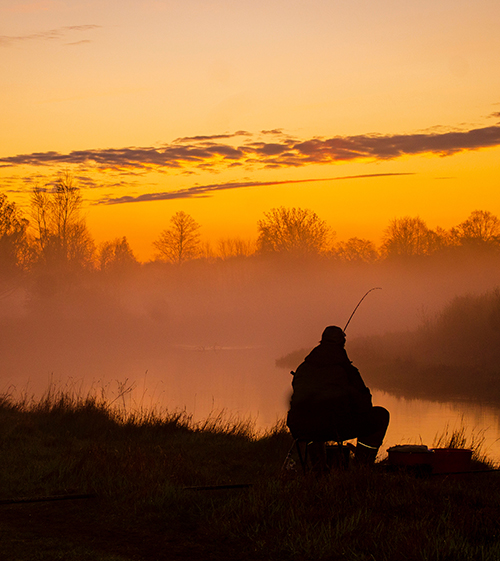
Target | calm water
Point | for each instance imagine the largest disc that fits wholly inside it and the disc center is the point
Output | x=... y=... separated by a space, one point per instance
x=244 y=383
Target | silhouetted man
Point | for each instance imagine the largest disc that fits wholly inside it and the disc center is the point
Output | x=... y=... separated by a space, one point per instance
x=330 y=401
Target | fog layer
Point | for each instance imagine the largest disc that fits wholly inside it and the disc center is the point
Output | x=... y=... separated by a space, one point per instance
x=216 y=329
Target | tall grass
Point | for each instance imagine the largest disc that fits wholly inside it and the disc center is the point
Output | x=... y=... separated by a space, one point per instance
x=97 y=436
x=473 y=440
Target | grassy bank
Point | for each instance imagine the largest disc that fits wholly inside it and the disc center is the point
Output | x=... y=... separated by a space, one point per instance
x=137 y=470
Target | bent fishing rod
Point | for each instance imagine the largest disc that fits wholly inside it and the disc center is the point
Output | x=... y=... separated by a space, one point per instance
x=354 y=311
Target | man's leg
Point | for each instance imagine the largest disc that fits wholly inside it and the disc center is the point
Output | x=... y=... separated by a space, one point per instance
x=371 y=436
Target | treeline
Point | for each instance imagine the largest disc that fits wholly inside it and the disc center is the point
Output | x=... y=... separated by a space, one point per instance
x=54 y=234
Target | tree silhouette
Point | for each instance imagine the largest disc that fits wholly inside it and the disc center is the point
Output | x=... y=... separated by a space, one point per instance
x=356 y=250
x=61 y=232
x=180 y=242
x=13 y=236
x=294 y=231
x=115 y=256
x=407 y=237
x=481 y=228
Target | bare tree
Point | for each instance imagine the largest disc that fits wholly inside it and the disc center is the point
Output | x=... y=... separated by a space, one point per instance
x=13 y=236
x=407 y=237
x=60 y=229
x=482 y=227
x=293 y=230
x=357 y=250
x=180 y=242
x=439 y=239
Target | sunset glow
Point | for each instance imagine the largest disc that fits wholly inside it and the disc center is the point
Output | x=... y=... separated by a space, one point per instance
x=360 y=111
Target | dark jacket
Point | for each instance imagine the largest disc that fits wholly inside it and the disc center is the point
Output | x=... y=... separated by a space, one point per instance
x=329 y=396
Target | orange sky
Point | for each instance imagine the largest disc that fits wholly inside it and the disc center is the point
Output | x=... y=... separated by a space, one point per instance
x=362 y=111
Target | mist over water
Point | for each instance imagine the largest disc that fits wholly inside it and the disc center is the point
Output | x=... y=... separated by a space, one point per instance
x=205 y=337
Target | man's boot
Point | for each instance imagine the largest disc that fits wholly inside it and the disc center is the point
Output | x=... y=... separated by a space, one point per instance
x=365 y=455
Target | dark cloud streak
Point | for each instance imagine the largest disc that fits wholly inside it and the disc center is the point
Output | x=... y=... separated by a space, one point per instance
x=212 y=137
x=207 y=153
x=200 y=191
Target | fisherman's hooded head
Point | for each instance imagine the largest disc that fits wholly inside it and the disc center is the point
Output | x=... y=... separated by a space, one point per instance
x=333 y=334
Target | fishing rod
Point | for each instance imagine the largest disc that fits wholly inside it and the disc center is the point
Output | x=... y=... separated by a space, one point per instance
x=354 y=311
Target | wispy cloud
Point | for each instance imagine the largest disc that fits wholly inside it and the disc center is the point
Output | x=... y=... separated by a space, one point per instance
x=199 y=191
x=49 y=35
x=256 y=152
